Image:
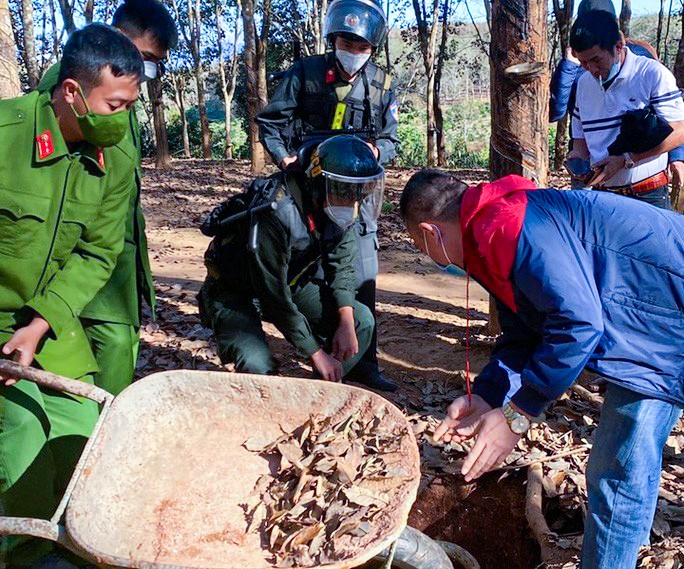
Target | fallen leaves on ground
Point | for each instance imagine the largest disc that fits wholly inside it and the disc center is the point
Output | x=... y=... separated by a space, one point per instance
x=332 y=482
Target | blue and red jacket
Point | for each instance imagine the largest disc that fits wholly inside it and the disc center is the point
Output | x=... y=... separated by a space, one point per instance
x=582 y=279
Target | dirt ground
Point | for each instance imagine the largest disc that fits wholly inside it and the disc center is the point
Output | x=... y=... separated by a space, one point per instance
x=422 y=322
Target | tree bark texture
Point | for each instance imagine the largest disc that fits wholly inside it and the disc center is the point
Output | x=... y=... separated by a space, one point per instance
x=250 y=55
x=179 y=94
x=625 y=16
x=29 y=41
x=679 y=60
x=519 y=141
x=67 y=10
x=439 y=66
x=9 y=73
x=520 y=102
x=154 y=91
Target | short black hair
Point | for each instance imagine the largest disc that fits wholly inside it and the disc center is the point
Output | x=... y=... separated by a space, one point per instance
x=431 y=195
x=137 y=17
x=91 y=49
x=595 y=28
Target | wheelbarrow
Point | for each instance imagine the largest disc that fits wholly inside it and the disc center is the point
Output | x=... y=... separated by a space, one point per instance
x=163 y=476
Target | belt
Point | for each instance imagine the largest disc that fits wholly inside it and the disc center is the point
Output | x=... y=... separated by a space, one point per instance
x=649 y=184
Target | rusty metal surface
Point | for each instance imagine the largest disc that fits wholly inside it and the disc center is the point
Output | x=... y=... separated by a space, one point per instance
x=167 y=475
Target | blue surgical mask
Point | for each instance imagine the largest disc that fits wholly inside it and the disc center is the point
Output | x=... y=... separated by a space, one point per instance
x=614 y=70
x=450 y=269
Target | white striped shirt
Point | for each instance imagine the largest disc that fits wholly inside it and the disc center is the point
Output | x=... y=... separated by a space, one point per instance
x=598 y=113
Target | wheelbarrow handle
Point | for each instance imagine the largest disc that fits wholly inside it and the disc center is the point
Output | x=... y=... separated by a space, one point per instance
x=54 y=381
x=52 y=529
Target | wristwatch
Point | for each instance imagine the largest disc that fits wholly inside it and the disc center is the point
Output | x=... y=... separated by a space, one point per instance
x=518 y=423
x=629 y=163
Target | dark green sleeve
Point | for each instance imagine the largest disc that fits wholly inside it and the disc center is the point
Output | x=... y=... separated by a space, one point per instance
x=268 y=272
x=278 y=115
x=338 y=267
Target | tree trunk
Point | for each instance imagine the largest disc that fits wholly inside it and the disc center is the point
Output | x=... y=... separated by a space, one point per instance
x=561 y=147
x=29 y=41
x=67 y=16
x=520 y=101
x=439 y=66
x=664 y=57
x=258 y=154
x=659 y=32
x=625 y=16
x=179 y=90
x=9 y=74
x=154 y=91
x=679 y=60
x=202 y=108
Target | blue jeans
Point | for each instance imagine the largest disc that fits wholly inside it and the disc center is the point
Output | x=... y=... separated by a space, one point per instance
x=660 y=197
x=623 y=476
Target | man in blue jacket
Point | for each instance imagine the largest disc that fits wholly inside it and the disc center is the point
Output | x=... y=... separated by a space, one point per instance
x=581 y=279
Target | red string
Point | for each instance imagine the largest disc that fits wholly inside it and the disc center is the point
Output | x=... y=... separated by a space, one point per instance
x=467 y=341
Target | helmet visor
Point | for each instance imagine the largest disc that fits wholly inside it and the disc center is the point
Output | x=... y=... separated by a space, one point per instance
x=346 y=191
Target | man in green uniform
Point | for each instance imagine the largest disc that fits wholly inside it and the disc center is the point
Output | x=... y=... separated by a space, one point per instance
x=342 y=89
x=112 y=319
x=62 y=216
x=286 y=255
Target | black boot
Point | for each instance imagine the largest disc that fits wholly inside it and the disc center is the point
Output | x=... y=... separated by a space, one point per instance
x=368 y=374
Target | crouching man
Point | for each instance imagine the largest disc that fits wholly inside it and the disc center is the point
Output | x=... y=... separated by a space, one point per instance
x=285 y=254
x=581 y=279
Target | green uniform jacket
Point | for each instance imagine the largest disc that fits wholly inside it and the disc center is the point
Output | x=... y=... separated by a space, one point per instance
x=61 y=229
x=131 y=282
x=287 y=256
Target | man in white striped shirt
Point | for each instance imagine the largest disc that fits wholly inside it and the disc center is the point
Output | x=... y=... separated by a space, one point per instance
x=620 y=81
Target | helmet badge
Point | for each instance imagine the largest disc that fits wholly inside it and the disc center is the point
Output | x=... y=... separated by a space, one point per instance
x=351 y=20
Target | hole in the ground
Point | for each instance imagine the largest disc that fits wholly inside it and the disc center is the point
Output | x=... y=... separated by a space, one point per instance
x=487 y=519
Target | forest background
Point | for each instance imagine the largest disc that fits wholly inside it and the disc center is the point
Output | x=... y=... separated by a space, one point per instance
x=438 y=54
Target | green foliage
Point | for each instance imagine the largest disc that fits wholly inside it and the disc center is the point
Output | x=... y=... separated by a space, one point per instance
x=467 y=128
x=412 y=139
x=217 y=128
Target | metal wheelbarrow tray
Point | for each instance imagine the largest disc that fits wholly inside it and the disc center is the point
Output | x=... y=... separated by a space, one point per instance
x=164 y=477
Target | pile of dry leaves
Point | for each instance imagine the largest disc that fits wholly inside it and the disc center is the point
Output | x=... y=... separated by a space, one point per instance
x=331 y=485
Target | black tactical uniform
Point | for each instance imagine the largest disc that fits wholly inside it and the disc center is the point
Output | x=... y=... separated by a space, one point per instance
x=312 y=97
x=284 y=265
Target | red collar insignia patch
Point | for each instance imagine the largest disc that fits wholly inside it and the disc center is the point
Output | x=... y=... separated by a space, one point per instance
x=330 y=76
x=100 y=158
x=45 y=146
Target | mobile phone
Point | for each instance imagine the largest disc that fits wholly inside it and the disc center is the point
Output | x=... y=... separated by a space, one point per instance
x=578 y=167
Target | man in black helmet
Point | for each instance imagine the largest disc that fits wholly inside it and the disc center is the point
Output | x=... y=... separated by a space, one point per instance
x=285 y=255
x=342 y=89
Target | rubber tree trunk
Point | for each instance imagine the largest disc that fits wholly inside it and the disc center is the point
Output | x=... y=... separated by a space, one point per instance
x=29 y=40
x=163 y=156
x=519 y=141
x=202 y=108
x=679 y=60
x=9 y=74
x=625 y=16
x=179 y=88
x=258 y=154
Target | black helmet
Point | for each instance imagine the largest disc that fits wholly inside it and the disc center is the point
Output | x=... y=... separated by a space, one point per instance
x=364 y=19
x=343 y=173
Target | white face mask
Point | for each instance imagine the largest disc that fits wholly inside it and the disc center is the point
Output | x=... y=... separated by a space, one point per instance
x=351 y=62
x=149 y=70
x=341 y=215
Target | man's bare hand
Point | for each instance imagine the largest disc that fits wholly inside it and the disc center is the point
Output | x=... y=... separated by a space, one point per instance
x=23 y=344
x=288 y=161
x=329 y=368
x=606 y=169
x=494 y=441
x=677 y=172
x=345 y=344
